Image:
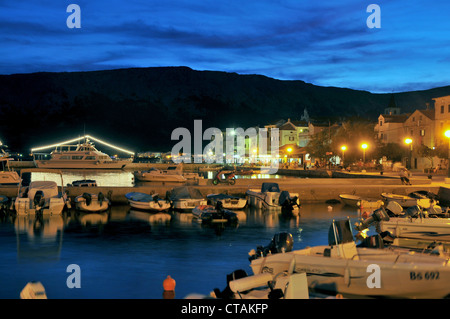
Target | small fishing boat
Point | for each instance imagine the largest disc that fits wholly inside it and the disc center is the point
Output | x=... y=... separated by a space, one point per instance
x=158 y=175
x=228 y=201
x=269 y=196
x=186 y=198
x=345 y=268
x=89 y=202
x=209 y=214
x=148 y=202
x=41 y=196
x=406 y=201
x=359 y=202
x=413 y=223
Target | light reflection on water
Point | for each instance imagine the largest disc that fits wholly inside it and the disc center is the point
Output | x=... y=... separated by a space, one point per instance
x=128 y=254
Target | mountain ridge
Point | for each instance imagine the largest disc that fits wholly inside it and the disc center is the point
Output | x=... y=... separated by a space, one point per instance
x=140 y=107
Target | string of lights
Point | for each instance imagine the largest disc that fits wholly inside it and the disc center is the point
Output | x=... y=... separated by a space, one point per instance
x=36 y=149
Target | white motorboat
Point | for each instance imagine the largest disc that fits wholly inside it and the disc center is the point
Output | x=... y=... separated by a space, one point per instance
x=228 y=201
x=413 y=223
x=359 y=202
x=41 y=196
x=285 y=285
x=407 y=201
x=80 y=156
x=342 y=267
x=269 y=196
x=186 y=198
x=89 y=202
x=147 y=202
x=158 y=175
x=8 y=177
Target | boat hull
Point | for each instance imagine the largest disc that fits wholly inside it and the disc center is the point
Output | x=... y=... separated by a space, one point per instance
x=160 y=206
x=148 y=177
x=436 y=229
x=267 y=200
x=81 y=165
x=94 y=205
x=188 y=204
x=401 y=276
x=25 y=206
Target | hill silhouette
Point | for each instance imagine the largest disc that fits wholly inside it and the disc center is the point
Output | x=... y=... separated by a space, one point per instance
x=139 y=108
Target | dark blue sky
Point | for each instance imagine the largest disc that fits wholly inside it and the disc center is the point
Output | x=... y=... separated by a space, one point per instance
x=322 y=42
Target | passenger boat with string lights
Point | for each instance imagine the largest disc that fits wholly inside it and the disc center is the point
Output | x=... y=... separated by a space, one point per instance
x=80 y=156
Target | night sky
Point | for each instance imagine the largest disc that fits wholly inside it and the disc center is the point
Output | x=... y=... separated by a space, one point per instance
x=326 y=43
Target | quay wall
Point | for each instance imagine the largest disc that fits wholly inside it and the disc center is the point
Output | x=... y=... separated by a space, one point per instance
x=312 y=190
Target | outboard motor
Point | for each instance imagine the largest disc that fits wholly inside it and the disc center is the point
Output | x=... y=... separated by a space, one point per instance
x=100 y=198
x=281 y=242
x=227 y=293
x=413 y=211
x=377 y=216
x=39 y=200
x=88 y=198
x=287 y=201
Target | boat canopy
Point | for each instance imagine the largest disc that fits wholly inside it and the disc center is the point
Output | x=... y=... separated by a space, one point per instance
x=49 y=188
x=139 y=197
x=222 y=196
x=184 y=192
x=270 y=187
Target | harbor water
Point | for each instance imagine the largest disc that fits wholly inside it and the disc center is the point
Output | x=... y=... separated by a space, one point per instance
x=125 y=254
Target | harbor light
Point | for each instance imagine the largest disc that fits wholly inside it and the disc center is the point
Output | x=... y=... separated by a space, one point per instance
x=408 y=141
x=343 y=149
x=447 y=135
x=364 y=146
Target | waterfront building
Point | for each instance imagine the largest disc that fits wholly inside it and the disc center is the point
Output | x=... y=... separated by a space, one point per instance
x=442 y=118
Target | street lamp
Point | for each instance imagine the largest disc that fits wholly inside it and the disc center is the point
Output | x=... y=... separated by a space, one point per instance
x=447 y=135
x=408 y=141
x=364 y=146
x=289 y=152
x=343 y=148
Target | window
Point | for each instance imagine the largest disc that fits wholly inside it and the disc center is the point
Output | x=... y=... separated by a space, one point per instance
x=413 y=119
x=449 y=108
x=77 y=157
x=422 y=132
x=291 y=138
x=381 y=123
x=90 y=158
x=442 y=109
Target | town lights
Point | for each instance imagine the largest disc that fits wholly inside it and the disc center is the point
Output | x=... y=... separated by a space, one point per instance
x=343 y=149
x=409 y=141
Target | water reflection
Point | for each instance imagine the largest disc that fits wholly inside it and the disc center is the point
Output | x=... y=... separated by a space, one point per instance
x=140 y=249
x=39 y=238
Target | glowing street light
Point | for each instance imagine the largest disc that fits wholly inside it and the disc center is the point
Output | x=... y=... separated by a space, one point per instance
x=409 y=141
x=447 y=135
x=364 y=146
x=343 y=149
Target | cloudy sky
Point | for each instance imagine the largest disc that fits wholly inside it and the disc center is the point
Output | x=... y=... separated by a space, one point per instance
x=324 y=42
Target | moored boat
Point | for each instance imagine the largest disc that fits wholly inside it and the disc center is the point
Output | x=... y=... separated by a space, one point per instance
x=343 y=267
x=89 y=202
x=80 y=156
x=148 y=202
x=407 y=201
x=158 y=175
x=360 y=202
x=269 y=196
x=41 y=196
x=209 y=214
x=186 y=198
x=228 y=201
